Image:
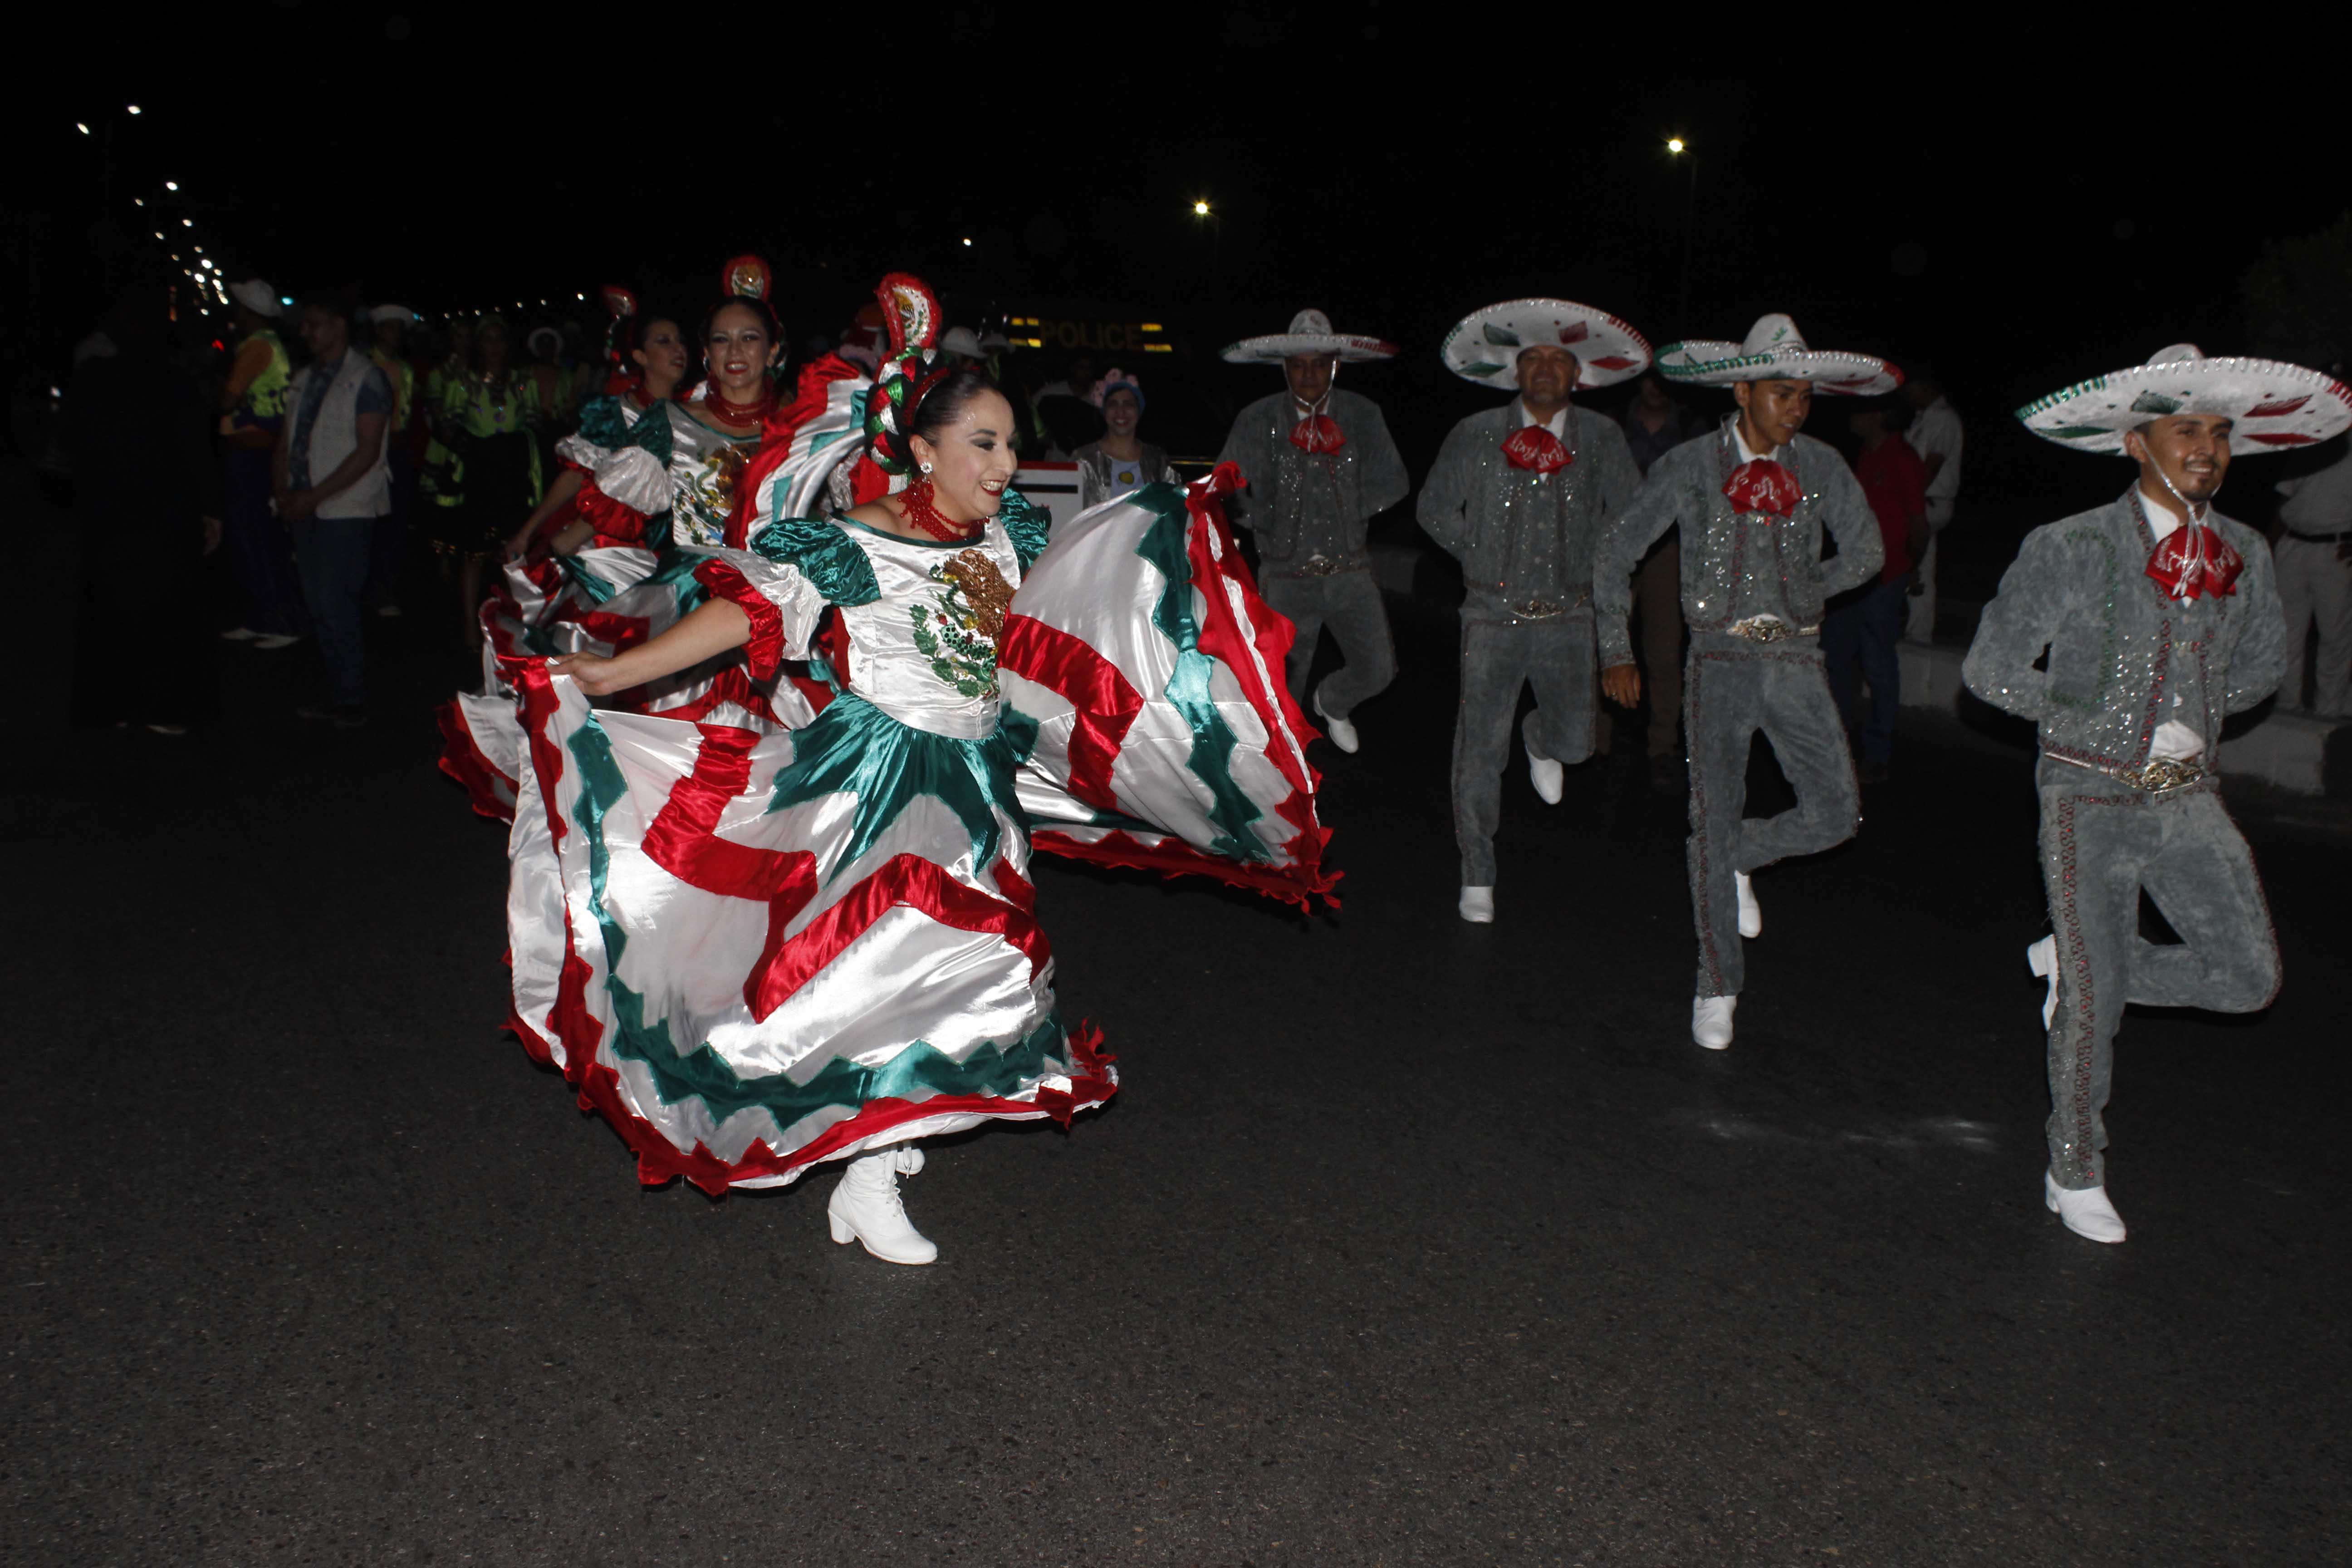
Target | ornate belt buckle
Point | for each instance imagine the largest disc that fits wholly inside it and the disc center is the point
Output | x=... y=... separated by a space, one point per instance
x=2165 y=775
x=1763 y=628
x=1319 y=566
x=1538 y=610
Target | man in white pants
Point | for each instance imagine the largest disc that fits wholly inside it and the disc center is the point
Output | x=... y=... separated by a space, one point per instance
x=2313 y=555
x=1935 y=434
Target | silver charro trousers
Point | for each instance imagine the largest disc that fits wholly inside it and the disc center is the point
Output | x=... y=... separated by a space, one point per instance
x=1500 y=653
x=1731 y=689
x=1349 y=603
x=2102 y=843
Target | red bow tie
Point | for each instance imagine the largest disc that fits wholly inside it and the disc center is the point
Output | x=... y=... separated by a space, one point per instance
x=1537 y=449
x=1761 y=484
x=2192 y=560
x=1317 y=433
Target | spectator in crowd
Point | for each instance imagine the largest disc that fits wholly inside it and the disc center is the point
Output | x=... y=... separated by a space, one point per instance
x=1859 y=634
x=485 y=422
x=1934 y=434
x=146 y=495
x=551 y=384
x=2313 y=556
x=390 y=325
x=1120 y=461
x=252 y=408
x=333 y=481
x=1069 y=420
x=1655 y=424
x=963 y=345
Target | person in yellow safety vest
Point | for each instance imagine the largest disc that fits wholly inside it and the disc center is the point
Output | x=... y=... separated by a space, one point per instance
x=252 y=407
x=486 y=419
x=388 y=549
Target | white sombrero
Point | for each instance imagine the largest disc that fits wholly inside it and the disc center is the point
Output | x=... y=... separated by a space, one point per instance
x=2270 y=403
x=1484 y=345
x=1775 y=351
x=1311 y=333
x=258 y=297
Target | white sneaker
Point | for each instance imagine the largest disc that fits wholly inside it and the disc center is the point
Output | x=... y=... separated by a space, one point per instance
x=1711 y=1021
x=2043 y=959
x=239 y=634
x=270 y=642
x=1477 y=906
x=2087 y=1211
x=865 y=1207
x=1547 y=776
x=1342 y=730
x=1751 y=913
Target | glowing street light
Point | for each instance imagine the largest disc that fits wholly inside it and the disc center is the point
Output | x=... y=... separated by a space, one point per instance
x=80 y=127
x=1201 y=209
x=187 y=223
x=1674 y=143
x=967 y=242
x=134 y=109
x=171 y=185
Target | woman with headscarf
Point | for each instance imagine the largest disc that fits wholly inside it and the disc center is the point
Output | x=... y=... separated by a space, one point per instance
x=1120 y=461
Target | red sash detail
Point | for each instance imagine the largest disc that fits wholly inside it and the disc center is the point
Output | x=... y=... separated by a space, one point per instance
x=2193 y=559
x=1317 y=433
x=1537 y=449
x=1762 y=485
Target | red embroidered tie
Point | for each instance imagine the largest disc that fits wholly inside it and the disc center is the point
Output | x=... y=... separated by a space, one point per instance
x=1762 y=485
x=1537 y=449
x=1317 y=433
x=2194 y=560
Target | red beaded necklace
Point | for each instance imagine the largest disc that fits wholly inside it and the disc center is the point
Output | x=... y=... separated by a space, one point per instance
x=751 y=415
x=924 y=513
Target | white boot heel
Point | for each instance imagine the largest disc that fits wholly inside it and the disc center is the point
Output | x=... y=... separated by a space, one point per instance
x=865 y=1207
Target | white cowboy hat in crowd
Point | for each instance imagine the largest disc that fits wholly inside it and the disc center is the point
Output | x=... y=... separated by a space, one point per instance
x=961 y=340
x=2270 y=403
x=384 y=313
x=1311 y=333
x=1484 y=345
x=257 y=297
x=1775 y=351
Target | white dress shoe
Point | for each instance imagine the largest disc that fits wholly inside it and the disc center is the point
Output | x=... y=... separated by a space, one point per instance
x=865 y=1207
x=1548 y=776
x=270 y=642
x=1477 y=906
x=1751 y=913
x=239 y=634
x=1342 y=730
x=2087 y=1211
x=2043 y=959
x=1711 y=1021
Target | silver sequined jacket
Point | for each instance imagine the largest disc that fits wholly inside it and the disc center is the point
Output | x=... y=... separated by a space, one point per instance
x=2119 y=646
x=1522 y=536
x=1735 y=567
x=1300 y=504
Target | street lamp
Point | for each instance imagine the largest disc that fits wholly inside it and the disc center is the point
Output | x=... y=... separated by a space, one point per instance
x=1200 y=209
x=1678 y=148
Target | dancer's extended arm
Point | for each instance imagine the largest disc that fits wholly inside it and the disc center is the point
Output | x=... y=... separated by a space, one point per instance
x=712 y=628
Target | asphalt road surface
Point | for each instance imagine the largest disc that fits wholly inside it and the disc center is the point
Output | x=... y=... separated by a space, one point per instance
x=1406 y=1242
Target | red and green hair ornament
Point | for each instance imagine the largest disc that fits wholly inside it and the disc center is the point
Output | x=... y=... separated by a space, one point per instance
x=747 y=275
x=910 y=312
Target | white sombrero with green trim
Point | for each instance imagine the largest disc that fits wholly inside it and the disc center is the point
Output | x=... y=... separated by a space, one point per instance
x=1484 y=345
x=1311 y=333
x=2269 y=403
x=1775 y=351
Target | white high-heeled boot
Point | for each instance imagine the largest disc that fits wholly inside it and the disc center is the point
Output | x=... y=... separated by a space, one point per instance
x=1751 y=913
x=865 y=1207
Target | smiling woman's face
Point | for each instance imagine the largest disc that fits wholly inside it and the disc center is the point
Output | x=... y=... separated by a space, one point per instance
x=971 y=460
x=1121 y=411
x=738 y=351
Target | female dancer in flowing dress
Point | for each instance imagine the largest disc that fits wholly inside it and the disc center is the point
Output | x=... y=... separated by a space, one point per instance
x=754 y=950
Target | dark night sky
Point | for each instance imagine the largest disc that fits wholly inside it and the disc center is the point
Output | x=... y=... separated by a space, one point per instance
x=2021 y=210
